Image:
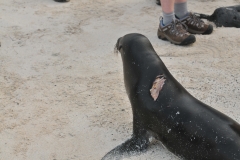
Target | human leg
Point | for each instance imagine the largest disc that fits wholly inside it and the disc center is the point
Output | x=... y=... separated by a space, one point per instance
x=194 y=24
x=168 y=11
x=172 y=29
x=180 y=8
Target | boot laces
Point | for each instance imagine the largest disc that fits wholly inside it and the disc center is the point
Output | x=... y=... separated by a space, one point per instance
x=195 y=20
x=178 y=28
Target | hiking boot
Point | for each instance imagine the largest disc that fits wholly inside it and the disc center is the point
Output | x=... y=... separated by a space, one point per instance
x=196 y=25
x=175 y=33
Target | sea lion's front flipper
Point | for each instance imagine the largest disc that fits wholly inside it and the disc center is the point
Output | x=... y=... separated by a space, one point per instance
x=137 y=143
x=236 y=23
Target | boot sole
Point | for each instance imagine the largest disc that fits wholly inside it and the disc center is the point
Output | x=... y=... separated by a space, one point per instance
x=208 y=31
x=189 y=40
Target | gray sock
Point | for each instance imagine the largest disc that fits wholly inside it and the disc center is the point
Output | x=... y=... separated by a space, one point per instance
x=168 y=18
x=181 y=10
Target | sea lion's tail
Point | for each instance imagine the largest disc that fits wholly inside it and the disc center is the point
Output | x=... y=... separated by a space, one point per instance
x=204 y=16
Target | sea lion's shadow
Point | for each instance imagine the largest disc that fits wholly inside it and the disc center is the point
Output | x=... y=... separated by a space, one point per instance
x=153 y=150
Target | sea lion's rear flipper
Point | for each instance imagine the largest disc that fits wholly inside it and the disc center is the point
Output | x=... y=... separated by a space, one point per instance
x=204 y=16
x=135 y=144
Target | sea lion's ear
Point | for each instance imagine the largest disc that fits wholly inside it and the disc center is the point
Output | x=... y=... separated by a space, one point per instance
x=157 y=86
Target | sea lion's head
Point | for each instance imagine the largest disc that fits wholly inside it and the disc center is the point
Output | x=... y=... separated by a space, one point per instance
x=118 y=45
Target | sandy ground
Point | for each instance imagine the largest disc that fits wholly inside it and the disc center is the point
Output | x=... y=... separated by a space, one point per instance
x=62 y=95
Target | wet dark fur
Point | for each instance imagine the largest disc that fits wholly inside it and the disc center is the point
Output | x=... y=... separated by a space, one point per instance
x=62 y=0
x=224 y=16
x=186 y=126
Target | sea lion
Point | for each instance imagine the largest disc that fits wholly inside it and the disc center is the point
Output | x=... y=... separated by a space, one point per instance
x=224 y=16
x=62 y=0
x=158 y=2
x=186 y=126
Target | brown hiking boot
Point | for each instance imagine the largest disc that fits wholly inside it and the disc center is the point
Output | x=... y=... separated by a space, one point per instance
x=196 y=25
x=175 y=33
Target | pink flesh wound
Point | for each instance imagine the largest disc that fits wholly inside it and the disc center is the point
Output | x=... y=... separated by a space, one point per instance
x=157 y=87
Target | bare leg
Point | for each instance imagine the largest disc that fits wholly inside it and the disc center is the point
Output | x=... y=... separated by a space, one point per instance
x=167 y=5
x=168 y=14
x=180 y=1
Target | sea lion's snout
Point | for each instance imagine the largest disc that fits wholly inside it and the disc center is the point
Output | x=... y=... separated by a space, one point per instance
x=118 y=45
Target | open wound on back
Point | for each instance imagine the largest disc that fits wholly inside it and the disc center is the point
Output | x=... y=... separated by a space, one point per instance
x=157 y=86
